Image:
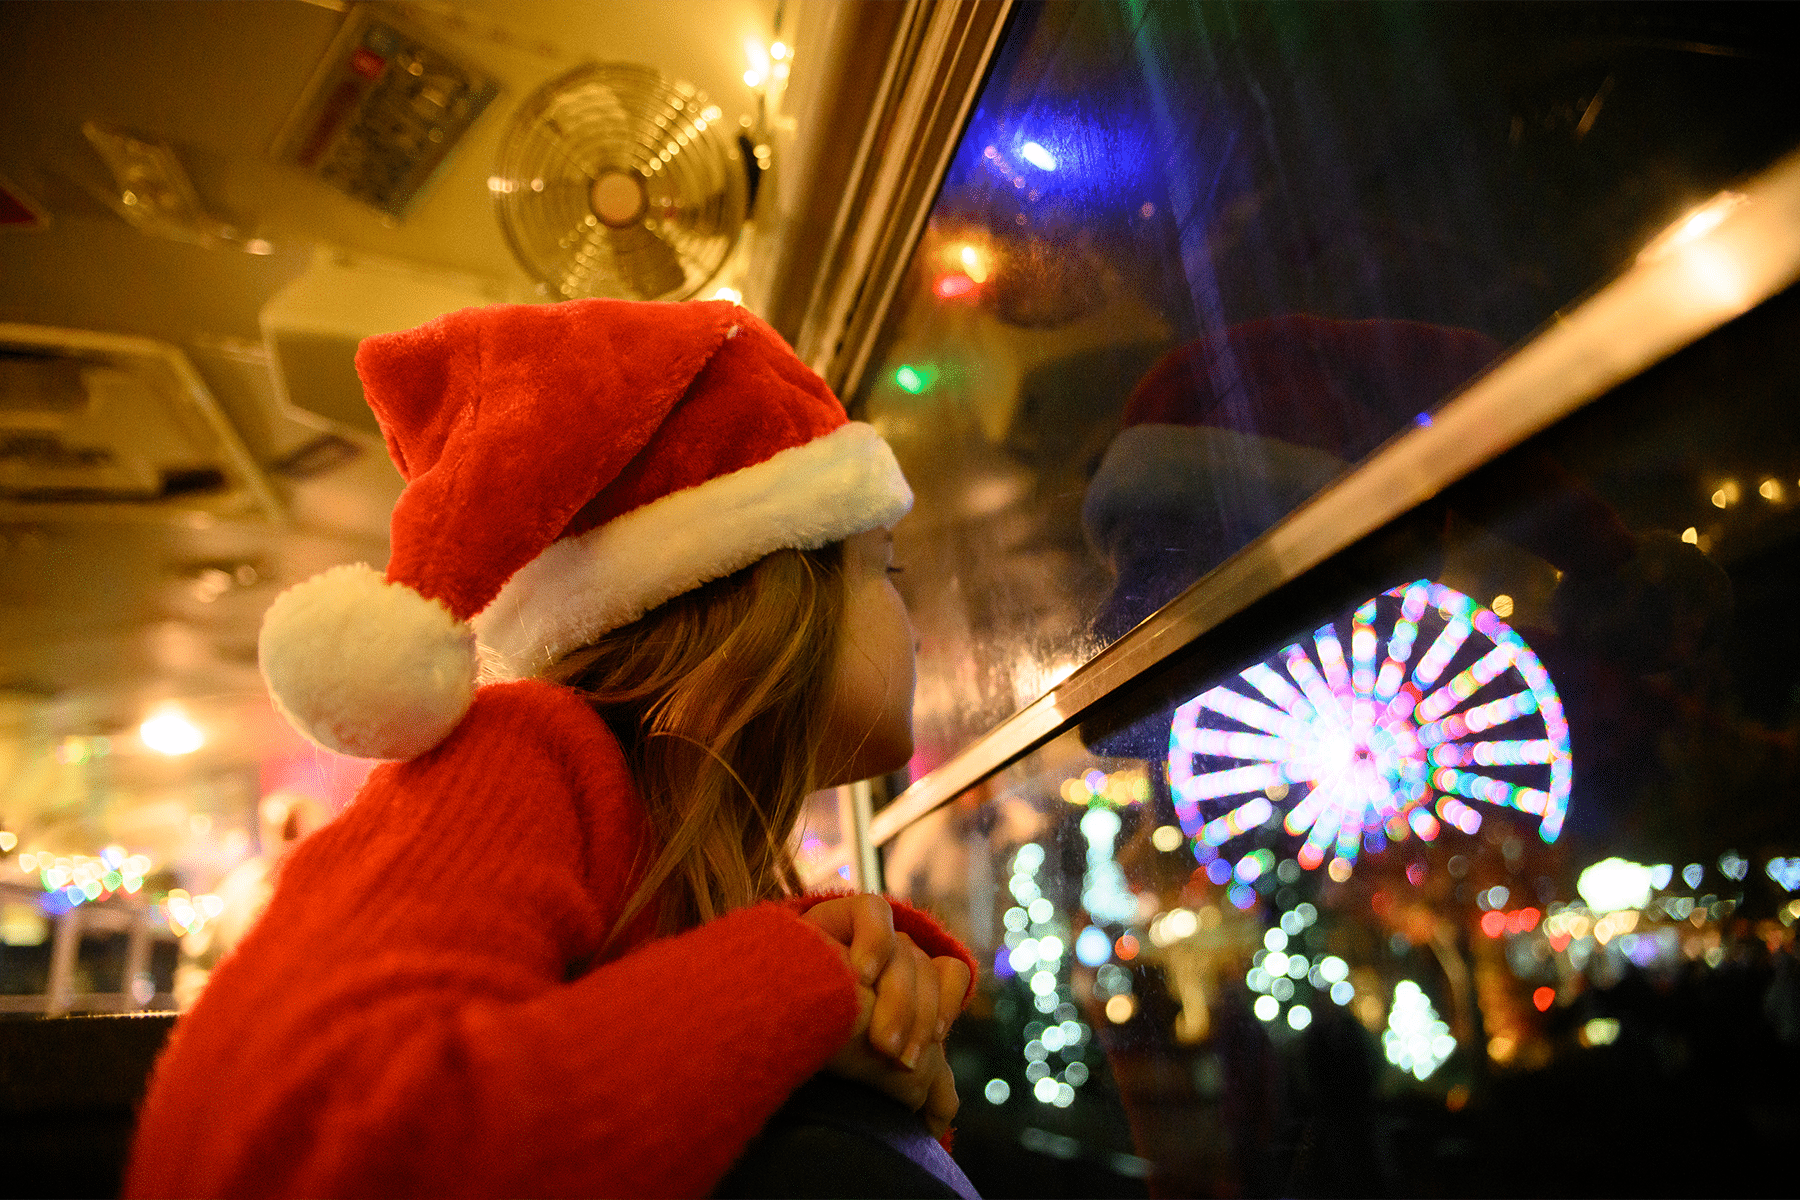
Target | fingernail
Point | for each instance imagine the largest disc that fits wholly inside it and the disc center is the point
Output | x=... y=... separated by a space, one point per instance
x=943 y=1028
x=911 y=1058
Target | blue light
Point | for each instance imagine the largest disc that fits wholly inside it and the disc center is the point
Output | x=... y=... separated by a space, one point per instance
x=1422 y=419
x=1037 y=156
x=1092 y=946
x=1003 y=964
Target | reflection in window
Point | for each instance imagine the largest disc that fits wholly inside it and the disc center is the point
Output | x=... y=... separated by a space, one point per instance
x=1191 y=261
x=1607 y=900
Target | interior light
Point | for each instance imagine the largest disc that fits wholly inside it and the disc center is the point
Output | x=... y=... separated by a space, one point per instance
x=1037 y=156
x=910 y=380
x=169 y=731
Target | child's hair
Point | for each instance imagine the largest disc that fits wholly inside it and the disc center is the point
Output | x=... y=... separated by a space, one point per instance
x=716 y=697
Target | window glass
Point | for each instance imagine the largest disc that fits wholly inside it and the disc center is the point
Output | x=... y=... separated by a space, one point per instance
x=1191 y=261
x=1466 y=862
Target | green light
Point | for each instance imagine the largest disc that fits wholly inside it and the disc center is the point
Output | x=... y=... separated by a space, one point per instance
x=911 y=381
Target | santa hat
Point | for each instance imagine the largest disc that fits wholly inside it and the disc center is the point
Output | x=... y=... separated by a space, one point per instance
x=568 y=468
x=1227 y=434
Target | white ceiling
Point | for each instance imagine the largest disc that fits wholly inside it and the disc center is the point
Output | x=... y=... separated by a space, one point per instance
x=102 y=619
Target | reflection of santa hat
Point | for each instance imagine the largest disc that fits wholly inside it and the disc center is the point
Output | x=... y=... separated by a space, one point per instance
x=1227 y=434
x=569 y=467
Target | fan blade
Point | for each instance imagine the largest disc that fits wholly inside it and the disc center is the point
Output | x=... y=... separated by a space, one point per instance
x=649 y=266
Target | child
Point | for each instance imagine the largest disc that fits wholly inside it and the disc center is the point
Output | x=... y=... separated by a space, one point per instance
x=555 y=948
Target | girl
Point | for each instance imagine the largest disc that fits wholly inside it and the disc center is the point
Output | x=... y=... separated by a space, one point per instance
x=555 y=945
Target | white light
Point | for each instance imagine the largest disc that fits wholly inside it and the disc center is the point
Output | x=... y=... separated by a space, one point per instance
x=1037 y=156
x=1275 y=939
x=1416 y=1039
x=1614 y=884
x=1065 y=1096
x=1029 y=858
x=1050 y=948
x=168 y=731
x=1342 y=992
x=1041 y=910
x=997 y=1091
x=1043 y=983
x=1053 y=1038
x=731 y=294
x=1267 y=1008
x=1733 y=866
x=1045 y=1090
x=1333 y=968
x=1024 y=956
x=1276 y=963
x=1166 y=838
x=1299 y=1016
x=1015 y=919
x=1600 y=1031
x=1692 y=874
x=778 y=51
x=1092 y=946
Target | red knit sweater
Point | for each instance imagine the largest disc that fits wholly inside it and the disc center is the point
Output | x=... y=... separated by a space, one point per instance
x=415 y=1012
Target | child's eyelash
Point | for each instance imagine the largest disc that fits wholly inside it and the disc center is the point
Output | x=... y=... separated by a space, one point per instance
x=896 y=570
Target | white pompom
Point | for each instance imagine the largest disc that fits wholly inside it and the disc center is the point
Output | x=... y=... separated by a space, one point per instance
x=365 y=667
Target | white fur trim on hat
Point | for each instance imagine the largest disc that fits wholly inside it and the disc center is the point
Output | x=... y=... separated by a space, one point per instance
x=365 y=667
x=1200 y=476
x=840 y=484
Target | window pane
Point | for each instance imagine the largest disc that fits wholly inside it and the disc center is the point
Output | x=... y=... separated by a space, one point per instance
x=1468 y=862
x=1192 y=260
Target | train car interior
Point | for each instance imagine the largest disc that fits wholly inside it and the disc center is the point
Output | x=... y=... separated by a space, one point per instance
x=1358 y=711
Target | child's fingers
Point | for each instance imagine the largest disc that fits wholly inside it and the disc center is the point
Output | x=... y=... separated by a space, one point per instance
x=953 y=985
x=864 y=925
x=941 y=1102
x=905 y=1004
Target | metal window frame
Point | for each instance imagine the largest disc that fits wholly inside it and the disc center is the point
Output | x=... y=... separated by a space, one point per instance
x=1712 y=265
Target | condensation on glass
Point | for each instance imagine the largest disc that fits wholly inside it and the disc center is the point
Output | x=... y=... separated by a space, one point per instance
x=1469 y=859
x=1190 y=261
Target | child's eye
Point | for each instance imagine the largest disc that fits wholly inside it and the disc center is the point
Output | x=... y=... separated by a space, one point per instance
x=895 y=570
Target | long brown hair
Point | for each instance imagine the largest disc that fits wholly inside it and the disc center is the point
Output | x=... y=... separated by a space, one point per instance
x=716 y=697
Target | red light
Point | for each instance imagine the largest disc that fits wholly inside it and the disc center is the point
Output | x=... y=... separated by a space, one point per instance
x=950 y=287
x=1493 y=923
x=1543 y=998
x=1523 y=921
x=1126 y=947
x=1381 y=903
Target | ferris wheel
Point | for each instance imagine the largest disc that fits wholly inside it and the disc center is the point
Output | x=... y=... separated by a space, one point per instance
x=1397 y=740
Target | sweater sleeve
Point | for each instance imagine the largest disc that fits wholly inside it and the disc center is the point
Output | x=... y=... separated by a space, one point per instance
x=401 y=1021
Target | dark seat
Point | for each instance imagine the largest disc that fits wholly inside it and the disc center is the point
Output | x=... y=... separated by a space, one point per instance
x=69 y=1089
x=836 y=1138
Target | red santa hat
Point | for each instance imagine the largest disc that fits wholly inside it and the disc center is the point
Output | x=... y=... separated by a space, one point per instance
x=568 y=468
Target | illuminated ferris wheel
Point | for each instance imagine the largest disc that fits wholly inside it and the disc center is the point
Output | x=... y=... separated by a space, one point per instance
x=1449 y=707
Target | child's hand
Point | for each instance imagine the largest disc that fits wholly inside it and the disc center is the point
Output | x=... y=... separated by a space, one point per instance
x=908 y=1001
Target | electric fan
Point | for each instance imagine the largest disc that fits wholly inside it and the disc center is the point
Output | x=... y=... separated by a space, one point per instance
x=615 y=181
